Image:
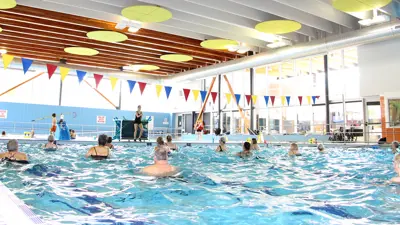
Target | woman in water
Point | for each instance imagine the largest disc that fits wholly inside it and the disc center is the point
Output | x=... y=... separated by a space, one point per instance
x=101 y=151
x=138 y=123
x=13 y=155
x=161 y=145
x=396 y=165
x=294 y=150
x=321 y=148
x=50 y=143
x=254 y=144
x=171 y=145
x=395 y=147
x=222 y=145
x=109 y=143
x=246 y=151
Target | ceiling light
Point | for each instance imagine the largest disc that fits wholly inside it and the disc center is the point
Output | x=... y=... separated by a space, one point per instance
x=3 y=51
x=278 y=44
x=233 y=48
x=375 y=20
x=243 y=49
x=133 y=26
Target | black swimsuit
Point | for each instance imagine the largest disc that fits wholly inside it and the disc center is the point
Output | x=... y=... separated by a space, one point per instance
x=13 y=159
x=220 y=149
x=98 y=157
x=138 y=119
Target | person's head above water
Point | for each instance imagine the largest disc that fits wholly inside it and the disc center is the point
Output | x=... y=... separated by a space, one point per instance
x=246 y=146
x=321 y=147
x=102 y=140
x=12 y=145
x=395 y=144
x=50 y=138
x=160 y=141
x=294 y=147
x=3 y=133
x=53 y=115
x=222 y=140
x=109 y=140
x=160 y=154
x=169 y=138
x=254 y=141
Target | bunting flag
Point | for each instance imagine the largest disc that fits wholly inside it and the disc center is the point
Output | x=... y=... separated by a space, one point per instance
x=228 y=97
x=248 y=98
x=142 y=86
x=51 y=69
x=97 y=78
x=272 y=100
x=214 y=96
x=309 y=100
x=266 y=100
x=64 y=72
x=288 y=100
x=167 y=90
x=283 y=100
x=313 y=99
x=186 y=92
x=300 y=100
x=7 y=59
x=131 y=84
x=80 y=74
x=237 y=96
x=254 y=99
x=113 y=81
x=196 y=94
x=158 y=90
x=26 y=64
x=203 y=95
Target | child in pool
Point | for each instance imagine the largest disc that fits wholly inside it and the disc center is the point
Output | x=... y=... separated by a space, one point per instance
x=294 y=150
x=396 y=164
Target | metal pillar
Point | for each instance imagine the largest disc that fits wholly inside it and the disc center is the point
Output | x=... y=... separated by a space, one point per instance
x=120 y=95
x=251 y=93
x=60 y=96
x=219 y=101
x=326 y=70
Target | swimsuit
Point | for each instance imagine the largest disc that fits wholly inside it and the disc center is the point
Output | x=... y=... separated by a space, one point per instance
x=13 y=159
x=98 y=157
x=138 y=119
x=220 y=148
x=53 y=128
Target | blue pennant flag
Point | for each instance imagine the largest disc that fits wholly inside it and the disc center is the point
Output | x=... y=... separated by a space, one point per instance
x=131 y=85
x=288 y=100
x=203 y=95
x=266 y=100
x=81 y=75
x=313 y=99
x=26 y=63
x=167 y=90
x=237 y=96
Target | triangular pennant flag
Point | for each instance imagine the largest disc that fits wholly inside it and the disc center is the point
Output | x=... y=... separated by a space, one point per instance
x=237 y=96
x=142 y=86
x=254 y=99
x=196 y=94
x=167 y=90
x=26 y=64
x=131 y=84
x=309 y=100
x=317 y=97
x=158 y=90
x=272 y=100
x=64 y=72
x=228 y=97
x=186 y=92
x=80 y=74
x=283 y=100
x=300 y=100
x=266 y=100
x=113 y=81
x=51 y=69
x=288 y=100
x=203 y=95
x=248 y=98
x=97 y=79
x=214 y=96
x=7 y=59
x=314 y=98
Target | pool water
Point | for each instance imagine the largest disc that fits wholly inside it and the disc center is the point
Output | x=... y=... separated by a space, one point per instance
x=339 y=187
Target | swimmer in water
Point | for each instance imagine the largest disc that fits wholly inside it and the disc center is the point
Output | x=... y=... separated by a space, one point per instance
x=161 y=167
x=246 y=150
x=161 y=145
x=254 y=144
x=101 y=151
x=138 y=123
x=222 y=145
x=50 y=143
x=13 y=155
x=395 y=147
x=321 y=148
x=109 y=143
x=53 y=124
x=294 y=150
x=171 y=145
x=396 y=165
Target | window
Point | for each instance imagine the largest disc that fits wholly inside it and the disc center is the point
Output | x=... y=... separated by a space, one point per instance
x=394 y=112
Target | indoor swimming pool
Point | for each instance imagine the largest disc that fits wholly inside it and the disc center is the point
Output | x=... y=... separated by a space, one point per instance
x=337 y=187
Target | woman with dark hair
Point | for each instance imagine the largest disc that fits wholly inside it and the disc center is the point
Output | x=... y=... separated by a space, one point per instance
x=109 y=143
x=171 y=145
x=101 y=151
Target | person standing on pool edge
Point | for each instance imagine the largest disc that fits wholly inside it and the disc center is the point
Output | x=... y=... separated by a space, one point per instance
x=138 y=123
x=53 y=124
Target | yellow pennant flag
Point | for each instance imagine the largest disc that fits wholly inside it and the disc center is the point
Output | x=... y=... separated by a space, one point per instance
x=64 y=72
x=196 y=94
x=309 y=100
x=113 y=81
x=158 y=89
x=228 y=97
x=283 y=98
x=254 y=98
x=7 y=59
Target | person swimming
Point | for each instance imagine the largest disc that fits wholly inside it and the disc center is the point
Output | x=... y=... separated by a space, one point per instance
x=53 y=124
x=72 y=134
x=161 y=167
x=13 y=155
x=222 y=145
x=294 y=150
x=396 y=165
x=254 y=144
x=321 y=148
x=395 y=147
x=161 y=145
x=50 y=143
x=138 y=123
x=101 y=151
x=109 y=143
x=246 y=150
x=171 y=145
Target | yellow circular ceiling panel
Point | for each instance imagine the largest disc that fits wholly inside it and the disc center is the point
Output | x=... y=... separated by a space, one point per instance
x=7 y=4
x=81 y=51
x=278 y=26
x=146 y=13
x=141 y=67
x=107 y=36
x=1 y=29
x=176 y=57
x=359 y=5
x=219 y=44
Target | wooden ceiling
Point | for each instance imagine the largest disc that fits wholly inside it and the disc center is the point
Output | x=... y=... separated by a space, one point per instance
x=42 y=35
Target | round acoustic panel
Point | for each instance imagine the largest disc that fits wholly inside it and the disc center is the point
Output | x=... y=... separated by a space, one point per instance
x=7 y=4
x=81 y=51
x=1 y=29
x=176 y=57
x=146 y=13
x=144 y=67
x=278 y=26
x=219 y=44
x=359 y=5
x=107 y=36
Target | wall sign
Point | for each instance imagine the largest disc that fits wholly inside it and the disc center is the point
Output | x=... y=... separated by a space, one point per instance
x=3 y=114
x=165 y=122
x=101 y=119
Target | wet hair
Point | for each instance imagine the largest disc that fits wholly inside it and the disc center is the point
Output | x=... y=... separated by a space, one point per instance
x=321 y=147
x=169 y=138
x=396 y=144
x=12 y=145
x=50 y=138
x=53 y=115
x=217 y=131
x=161 y=154
x=247 y=146
x=102 y=139
x=295 y=146
x=160 y=141
x=222 y=140
x=254 y=141
x=3 y=133
x=109 y=140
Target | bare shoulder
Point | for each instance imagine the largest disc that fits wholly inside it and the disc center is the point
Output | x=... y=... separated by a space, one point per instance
x=2 y=155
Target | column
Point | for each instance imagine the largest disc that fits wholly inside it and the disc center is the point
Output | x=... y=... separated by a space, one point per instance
x=327 y=117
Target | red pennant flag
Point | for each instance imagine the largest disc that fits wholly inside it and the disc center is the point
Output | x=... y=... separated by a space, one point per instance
x=97 y=78
x=51 y=69
x=186 y=92
x=142 y=86
x=214 y=96
x=272 y=99
x=301 y=100
x=248 y=98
